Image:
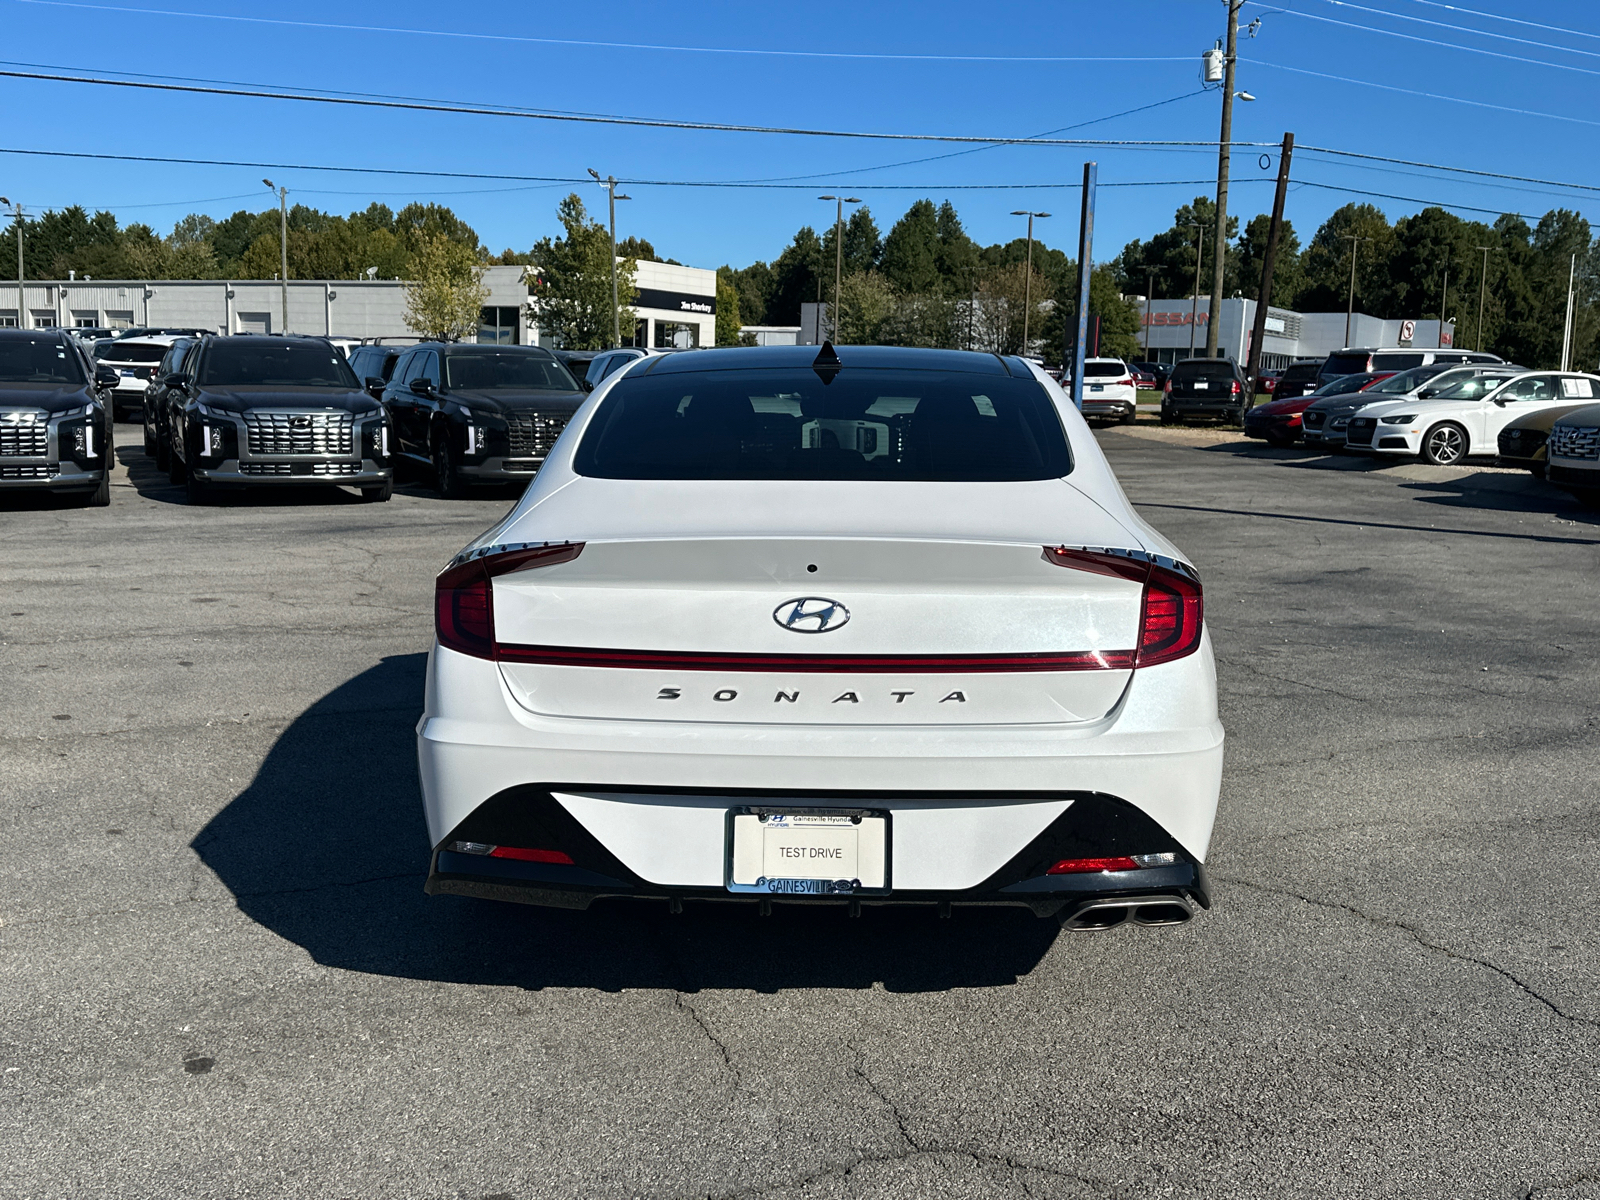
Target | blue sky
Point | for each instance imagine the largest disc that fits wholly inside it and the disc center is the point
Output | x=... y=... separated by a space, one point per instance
x=1006 y=96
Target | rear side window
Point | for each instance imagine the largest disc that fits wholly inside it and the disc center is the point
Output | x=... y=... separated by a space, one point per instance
x=788 y=424
x=1093 y=370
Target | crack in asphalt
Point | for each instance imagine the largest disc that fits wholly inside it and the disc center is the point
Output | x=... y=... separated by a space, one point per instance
x=1417 y=936
x=694 y=1014
x=843 y=1170
x=1233 y=662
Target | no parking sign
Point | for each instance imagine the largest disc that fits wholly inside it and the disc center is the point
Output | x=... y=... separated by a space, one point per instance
x=1408 y=330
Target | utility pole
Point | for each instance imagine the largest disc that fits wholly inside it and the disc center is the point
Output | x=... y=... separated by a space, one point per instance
x=838 y=255
x=1444 y=302
x=1085 y=270
x=1149 y=288
x=1566 y=326
x=1483 y=277
x=283 y=244
x=1027 y=279
x=610 y=185
x=1220 y=237
x=1350 y=309
x=17 y=210
x=1194 y=298
x=1269 y=262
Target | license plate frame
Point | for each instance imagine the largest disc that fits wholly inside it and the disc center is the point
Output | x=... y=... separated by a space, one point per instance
x=799 y=825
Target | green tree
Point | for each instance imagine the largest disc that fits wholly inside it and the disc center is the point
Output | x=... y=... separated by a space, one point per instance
x=1250 y=253
x=867 y=305
x=796 y=279
x=445 y=295
x=1171 y=256
x=911 y=251
x=571 y=282
x=728 y=322
x=1325 y=285
x=754 y=285
x=957 y=255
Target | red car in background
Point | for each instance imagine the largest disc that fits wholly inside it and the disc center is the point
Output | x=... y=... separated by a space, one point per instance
x=1278 y=421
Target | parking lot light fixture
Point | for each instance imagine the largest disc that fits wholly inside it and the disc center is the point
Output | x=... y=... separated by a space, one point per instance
x=283 y=243
x=1027 y=278
x=838 y=255
x=1350 y=308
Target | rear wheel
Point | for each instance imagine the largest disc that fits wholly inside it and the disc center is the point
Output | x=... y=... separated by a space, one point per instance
x=1167 y=418
x=149 y=440
x=1444 y=445
x=1281 y=441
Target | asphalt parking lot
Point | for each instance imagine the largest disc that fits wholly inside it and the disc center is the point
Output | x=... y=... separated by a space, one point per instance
x=219 y=976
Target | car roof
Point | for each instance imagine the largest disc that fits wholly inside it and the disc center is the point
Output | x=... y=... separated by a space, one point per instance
x=904 y=358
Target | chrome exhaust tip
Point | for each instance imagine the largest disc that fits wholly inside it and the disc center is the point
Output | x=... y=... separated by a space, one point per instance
x=1092 y=916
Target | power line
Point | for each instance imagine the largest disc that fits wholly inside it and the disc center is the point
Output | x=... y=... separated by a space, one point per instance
x=261 y=93
x=1329 y=187
x=549 y=41
x=1406 y=162
x=1503 y=37
x=1478 y=12
x=1389 y=87
x=1409 y=37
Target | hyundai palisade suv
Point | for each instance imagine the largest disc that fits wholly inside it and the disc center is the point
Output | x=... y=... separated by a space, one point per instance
x=1574 y=462
x=775 y=624
x=55 y=416
x=1522 y=444
x=479 y=413
x=274 y=411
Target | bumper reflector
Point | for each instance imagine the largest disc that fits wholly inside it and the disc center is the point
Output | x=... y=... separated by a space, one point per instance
x=520 y=853
x=1121 y=862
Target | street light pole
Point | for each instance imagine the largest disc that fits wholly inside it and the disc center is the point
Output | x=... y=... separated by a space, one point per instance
x=1444 y=303
x=283 y=244
x=1350 y=309
x=1027 y=279
x=1149 y=289
x=1220 y=238
x=1566 y=326
x=1483 y=277
x=17 y=209
x=838 y=255
x=610 y=185
x=1194 y=299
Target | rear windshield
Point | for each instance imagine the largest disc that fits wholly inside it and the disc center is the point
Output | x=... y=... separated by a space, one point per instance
x=282 y=364
x=1395 y=362
x=26 y=360
x=1301 y=372
x=940 y=426
x=122 y=352
x=1219 y=369
x=1345 y=364
x=491 y=371
x=1103 y=368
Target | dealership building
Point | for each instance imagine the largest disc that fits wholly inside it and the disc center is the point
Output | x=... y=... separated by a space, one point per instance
x=1175 y=329
x=675 y=306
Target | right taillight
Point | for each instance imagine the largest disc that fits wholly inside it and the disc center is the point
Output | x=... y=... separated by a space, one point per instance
x=1170 y=616
x=463 y=594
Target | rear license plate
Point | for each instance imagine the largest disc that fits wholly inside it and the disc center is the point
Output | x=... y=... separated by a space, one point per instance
x=1200 y=385
x=1097 y=387
x=826 y=852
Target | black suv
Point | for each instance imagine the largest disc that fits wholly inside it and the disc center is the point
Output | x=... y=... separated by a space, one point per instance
x=55 y=416
x=273 y=411
x=376 y=362
x=479 y=413
x=1298 y=378
x=1205 y=387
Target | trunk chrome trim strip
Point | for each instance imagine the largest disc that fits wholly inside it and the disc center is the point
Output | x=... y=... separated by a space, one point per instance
x=875 y=664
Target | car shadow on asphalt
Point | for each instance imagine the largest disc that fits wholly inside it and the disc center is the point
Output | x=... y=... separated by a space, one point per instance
x=327 y=848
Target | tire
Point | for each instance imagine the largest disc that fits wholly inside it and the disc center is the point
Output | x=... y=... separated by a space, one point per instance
x=378 y=494
x=1236 y=419
x=175 y=468
x=196 y=492
x=163 y=454
x=1537 y=470
x=101 y=496
x=446 y=478
x=1279 y=442
x=1167 y=418
x=1445 y=445
x=149 y=441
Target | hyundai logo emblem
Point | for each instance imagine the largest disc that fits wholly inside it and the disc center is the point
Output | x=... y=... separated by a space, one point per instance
x=811 y=614
x=299 y=422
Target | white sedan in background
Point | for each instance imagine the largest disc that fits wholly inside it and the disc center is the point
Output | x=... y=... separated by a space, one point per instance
x=1465 y=419
x=775 y=625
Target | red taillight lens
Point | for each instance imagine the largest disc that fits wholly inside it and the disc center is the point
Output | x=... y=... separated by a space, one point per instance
x=1099 y=562
x=463 y=596
x=1236 y=389
x=1079 y=866
x=1166 y=388
x=1170 y=618
x=522 y=854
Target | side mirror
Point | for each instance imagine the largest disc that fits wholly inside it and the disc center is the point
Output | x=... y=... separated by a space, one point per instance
x=1500 y=400
x=176 y=380
x=375 y=385
x=1426 y=394
x=586 y=385
x=106 y=377
x=422 y=387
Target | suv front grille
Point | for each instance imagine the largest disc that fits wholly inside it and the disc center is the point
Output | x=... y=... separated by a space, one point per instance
x=23 y=435
x=1522 y=443
x=273 y=432
x=532 y=436
x=1573 y=441
x=29 y=470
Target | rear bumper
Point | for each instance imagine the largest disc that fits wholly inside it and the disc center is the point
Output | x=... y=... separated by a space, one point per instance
x=1203 y=408
x=1089 y=825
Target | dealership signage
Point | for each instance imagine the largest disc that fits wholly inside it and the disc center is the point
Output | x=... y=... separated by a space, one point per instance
x=1176 y=318
x=680 y=302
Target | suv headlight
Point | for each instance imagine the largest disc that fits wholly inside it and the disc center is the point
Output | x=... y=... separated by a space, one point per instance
x=1402 y=419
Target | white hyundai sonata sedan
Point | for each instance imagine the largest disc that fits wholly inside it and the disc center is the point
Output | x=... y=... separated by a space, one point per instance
x=870 y=627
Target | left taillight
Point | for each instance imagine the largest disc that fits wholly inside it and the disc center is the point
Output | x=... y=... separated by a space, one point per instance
x=463 y=594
